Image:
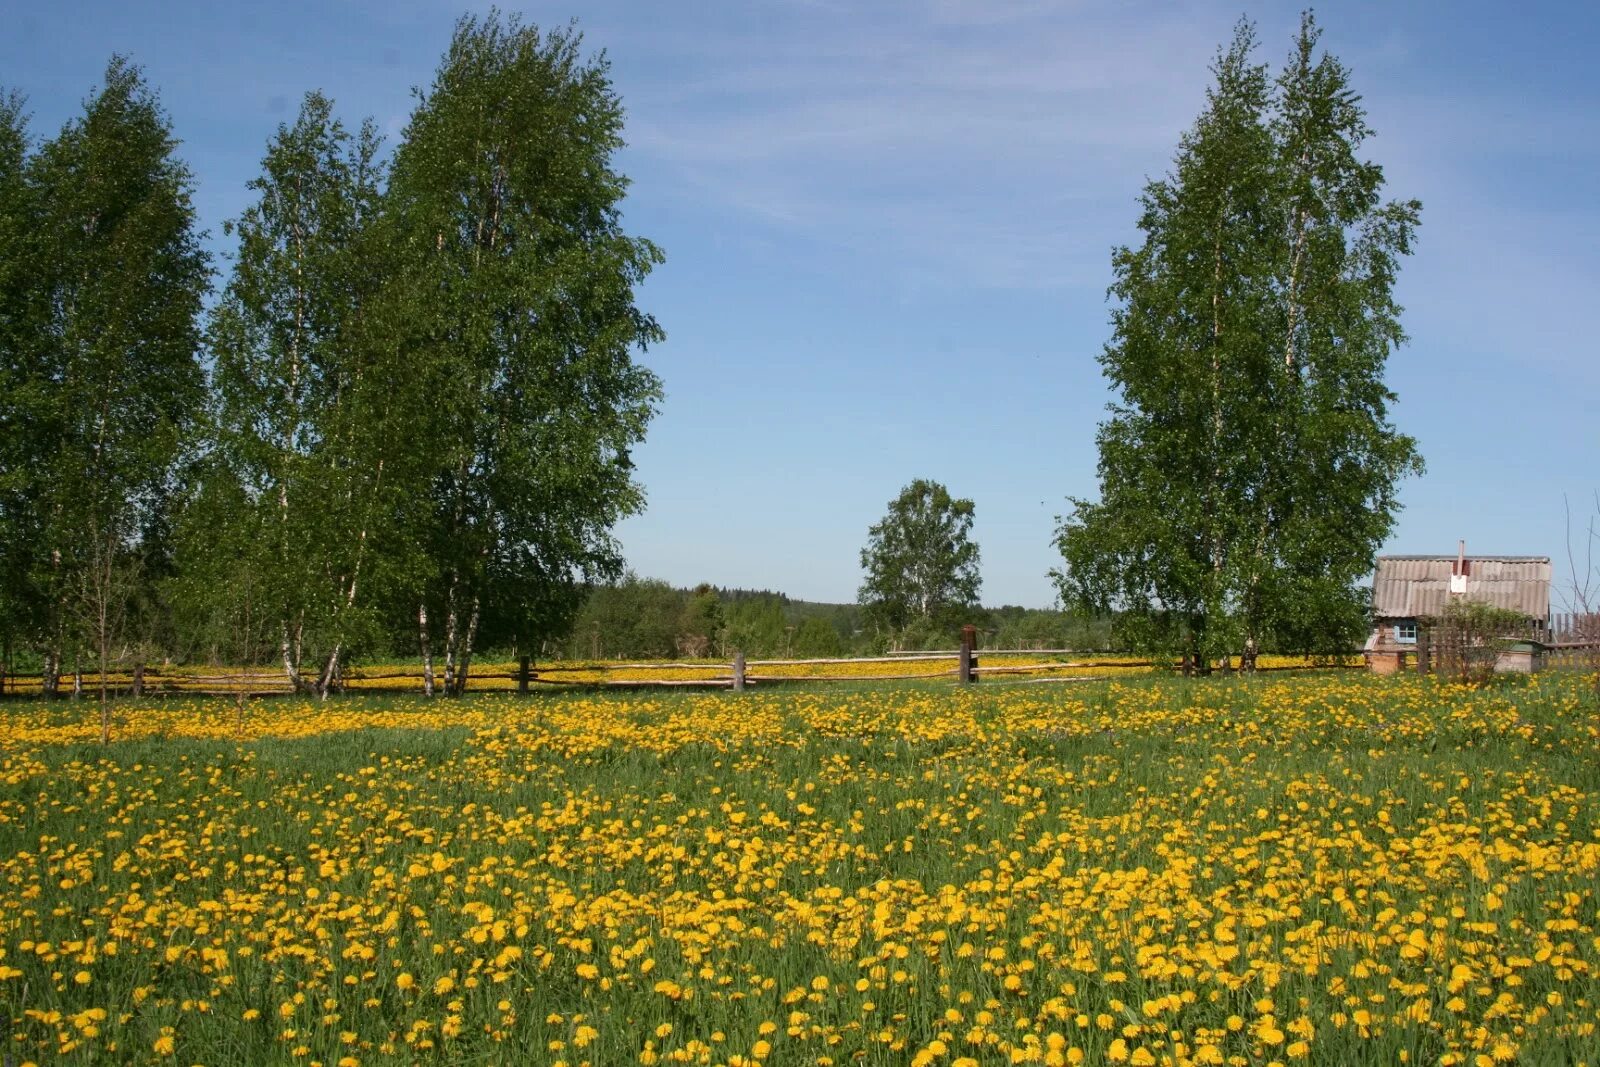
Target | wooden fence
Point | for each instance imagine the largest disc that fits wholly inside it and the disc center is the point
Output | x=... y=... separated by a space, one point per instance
x=1454 y=649
x=1569 y=641
x=964 y=665
x=1573 y=640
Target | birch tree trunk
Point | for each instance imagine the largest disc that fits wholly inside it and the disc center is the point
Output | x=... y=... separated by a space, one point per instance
x=290 y=650
x=466 y=649
x=427 y=648
x=451 y=631
x=1215 y=518
x=329 y=669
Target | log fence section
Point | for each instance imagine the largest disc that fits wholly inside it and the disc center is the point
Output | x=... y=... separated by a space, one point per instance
x=1566 y=641
x=965 y=666
x=1573 y=641
x=914 y=653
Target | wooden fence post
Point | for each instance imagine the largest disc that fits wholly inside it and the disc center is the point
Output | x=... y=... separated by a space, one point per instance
x=969 y=640
x=138 y=679
x=1424 y=651
x=523 y=675
x=738 y=672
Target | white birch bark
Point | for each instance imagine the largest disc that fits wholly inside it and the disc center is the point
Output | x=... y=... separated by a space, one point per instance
x=451 y=629
x=466 y=649
x=427 y=648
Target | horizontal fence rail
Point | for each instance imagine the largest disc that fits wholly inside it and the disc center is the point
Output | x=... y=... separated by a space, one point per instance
x=994 y=652
x=1564 y=641
x=524 y=676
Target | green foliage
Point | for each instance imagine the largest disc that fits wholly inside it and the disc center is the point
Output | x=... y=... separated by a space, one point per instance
x=20 y=334
x=1480 y=618
x=638 y=618
x=701 y=626
x=921 y=563
x=1017 y=627
x=1469 y=635
x=295 y=521
x=222 y=608
x=816 y=638
x=425 y=392
x=758 y=624
x=514 y=282
x=1248 y=468
x=635 y=618
x=102 y=358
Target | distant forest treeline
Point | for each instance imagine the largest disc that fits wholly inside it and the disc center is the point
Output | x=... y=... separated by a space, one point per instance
x=647 y=618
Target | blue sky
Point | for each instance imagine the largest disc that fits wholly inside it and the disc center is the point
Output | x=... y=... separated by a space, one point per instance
x=888 y=230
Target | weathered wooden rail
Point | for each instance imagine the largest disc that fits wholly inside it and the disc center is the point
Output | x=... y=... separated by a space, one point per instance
x=965 y=665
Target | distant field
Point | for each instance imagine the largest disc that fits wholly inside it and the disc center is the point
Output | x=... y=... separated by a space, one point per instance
x=1329 y=869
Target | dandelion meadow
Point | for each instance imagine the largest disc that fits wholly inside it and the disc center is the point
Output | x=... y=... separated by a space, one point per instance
x=1325 y=869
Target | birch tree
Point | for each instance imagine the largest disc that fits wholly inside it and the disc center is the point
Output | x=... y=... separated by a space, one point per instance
x=20 y=332
x=920 y=560
x=1336 y=457
x=516 y=282
x=114 y=380
x=1191 y=335
x=1248 y=469
x=307 y=402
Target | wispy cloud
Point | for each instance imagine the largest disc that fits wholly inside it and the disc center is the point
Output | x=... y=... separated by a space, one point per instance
x=987 y=145
x=1004 y=144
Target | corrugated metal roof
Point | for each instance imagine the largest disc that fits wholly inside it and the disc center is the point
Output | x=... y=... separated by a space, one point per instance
x=1406 y=587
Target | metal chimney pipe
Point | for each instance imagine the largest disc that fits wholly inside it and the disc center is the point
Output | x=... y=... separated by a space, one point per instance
x=1458 y=573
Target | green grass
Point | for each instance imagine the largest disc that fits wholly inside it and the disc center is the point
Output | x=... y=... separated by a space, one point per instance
x=751 y=844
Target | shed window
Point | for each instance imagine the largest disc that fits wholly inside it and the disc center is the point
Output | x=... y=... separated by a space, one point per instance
x=1405 y=633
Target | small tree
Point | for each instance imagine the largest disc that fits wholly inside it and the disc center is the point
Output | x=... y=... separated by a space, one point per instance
x=755 y=624
x=635 y=617
x=921 y=562
x=1581 y=597
x=1468 y=635
x=701 y=624
x=816 y=637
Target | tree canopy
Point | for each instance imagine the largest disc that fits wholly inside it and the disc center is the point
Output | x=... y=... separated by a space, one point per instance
x=1248 y=467
x=424 y=385
x=920 y=560
x=516 y=283
x=103 y=277
x=296 y=496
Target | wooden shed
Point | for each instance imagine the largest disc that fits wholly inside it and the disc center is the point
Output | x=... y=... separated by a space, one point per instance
x=1409 y=590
